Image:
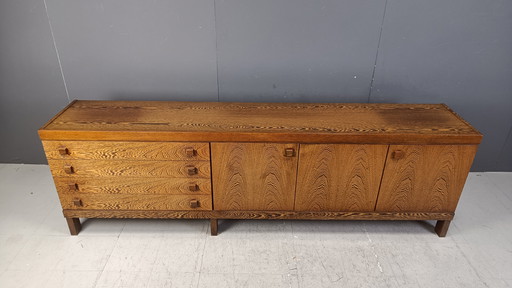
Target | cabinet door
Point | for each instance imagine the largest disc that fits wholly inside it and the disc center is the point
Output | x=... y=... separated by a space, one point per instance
x=339 y=177
x=253 y=176
x=424 y=178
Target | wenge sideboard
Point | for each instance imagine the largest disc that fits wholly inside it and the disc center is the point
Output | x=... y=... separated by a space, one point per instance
x=211 y=160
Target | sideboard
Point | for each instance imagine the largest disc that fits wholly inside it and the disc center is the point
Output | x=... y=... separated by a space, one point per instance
x=211 y=160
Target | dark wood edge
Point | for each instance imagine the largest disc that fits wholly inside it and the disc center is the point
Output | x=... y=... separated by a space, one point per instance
x=301 y=138
x=58 y=114
x=462 y=119
x=259 y=215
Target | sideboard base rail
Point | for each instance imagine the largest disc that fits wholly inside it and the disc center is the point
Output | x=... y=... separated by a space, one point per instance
x=441 y=228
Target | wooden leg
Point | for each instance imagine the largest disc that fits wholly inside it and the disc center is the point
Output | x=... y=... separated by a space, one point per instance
x=214 y=226
x=442 y=227
x=74 y=225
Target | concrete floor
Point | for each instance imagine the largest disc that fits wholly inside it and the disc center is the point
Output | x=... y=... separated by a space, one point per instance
x=37 y=251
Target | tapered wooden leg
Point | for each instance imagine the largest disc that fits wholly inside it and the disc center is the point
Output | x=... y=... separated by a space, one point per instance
x=214 y=226
x=74 y=225
x=442 y=227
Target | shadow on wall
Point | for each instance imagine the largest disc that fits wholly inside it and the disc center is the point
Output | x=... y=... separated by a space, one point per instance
x=407 y=94
x=131 y=96
x=249 y=97
x=296 y=89
x=298 y=82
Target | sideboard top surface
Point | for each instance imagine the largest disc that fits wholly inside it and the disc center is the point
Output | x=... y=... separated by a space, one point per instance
x=259 y=122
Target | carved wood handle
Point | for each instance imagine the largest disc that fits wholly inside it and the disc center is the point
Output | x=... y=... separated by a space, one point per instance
x=398 y=154
x=63 y=150
x=191 y=170
x=77 y=202
x=190 y=152
x=289 y=152
x=194 y=203
x=193 y=187
x=69 y=169
x=73 y=186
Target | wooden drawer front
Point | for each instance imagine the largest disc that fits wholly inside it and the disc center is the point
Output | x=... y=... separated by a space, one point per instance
x=339 y=177
x=135 y=202
x=108 y=150
x=424 y=178
x=60 y=168
x=130 y=185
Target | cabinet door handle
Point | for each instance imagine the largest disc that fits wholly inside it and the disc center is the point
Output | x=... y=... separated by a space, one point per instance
x=69 y=169
x=191 y=170
x=194 y=203
x=289 y=152
x=63 y=150
x=190 y=152
x=193 y=187
x=77 y=202
x=398 y=154
x=73 y=186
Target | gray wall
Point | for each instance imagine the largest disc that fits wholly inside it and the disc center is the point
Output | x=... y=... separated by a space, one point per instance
x=457 y=52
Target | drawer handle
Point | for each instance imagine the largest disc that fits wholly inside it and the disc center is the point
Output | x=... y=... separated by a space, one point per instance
x=191 y=170
x=77 y=202
x=73 y=186
x=190 y=152
x=193 y=187
x=398 y=154
x=289 y=152
x=194 y=203
x=69 y=169
x=63 y=150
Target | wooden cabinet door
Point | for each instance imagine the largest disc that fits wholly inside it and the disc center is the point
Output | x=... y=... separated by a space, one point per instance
x=253 y=176
x=424 y=178
x=339 y=177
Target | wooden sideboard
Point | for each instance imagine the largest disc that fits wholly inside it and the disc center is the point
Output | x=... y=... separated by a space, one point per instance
x=134 y=159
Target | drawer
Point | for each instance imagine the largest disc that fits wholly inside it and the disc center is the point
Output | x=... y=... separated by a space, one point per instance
x=105 y=150
x=104 y=168
x=130 y=185
x=135 y=202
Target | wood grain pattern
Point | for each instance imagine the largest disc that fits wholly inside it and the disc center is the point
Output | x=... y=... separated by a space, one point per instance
x=132 y=185
x=429 y=178
x=112 y=150
x=58 y=114
x=133 y=159
x=136 y=202
x=105 y=168
x=253 y=176
x=339 y=177
x=214 y=214
x=260 y=122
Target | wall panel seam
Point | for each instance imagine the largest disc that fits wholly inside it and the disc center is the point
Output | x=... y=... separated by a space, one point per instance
x=56 y=51
x=377 y=52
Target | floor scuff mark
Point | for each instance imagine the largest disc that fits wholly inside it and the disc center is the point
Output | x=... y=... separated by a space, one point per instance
x=370 y=242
